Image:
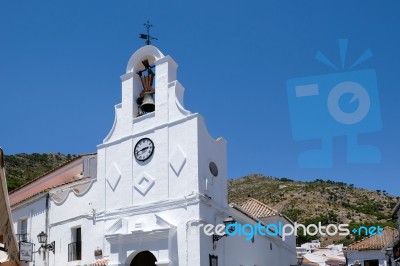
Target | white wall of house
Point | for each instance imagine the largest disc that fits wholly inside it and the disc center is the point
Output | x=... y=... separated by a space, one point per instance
x=361 y=256
x=56 y=212
x=34 y=212
x=264 y=250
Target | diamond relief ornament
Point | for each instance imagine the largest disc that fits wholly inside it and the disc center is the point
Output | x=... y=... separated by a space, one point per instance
x=178 y=160
x=143 y=183
x=113 y=176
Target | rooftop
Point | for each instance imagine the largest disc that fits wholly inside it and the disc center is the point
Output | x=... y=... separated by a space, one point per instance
x=63 y=174
x=255 y=209
x=376 y=242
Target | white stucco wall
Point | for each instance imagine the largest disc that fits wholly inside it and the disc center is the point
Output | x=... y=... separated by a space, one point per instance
x=57 y=211
x=264 y=251
x=361 y=256
x=35 y=213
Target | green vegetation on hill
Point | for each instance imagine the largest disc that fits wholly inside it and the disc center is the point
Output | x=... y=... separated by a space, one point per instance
x=317 y=201
x=22 y=168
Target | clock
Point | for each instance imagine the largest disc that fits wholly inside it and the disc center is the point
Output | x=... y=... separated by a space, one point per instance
x=144 y=148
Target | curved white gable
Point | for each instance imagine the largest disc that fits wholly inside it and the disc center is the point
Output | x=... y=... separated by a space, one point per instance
x=146 y=52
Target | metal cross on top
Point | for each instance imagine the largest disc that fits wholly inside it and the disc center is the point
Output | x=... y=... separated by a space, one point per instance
x=147 y=36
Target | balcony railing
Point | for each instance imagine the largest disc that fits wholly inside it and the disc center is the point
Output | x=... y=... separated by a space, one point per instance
x=75 y=251
x=22 y=237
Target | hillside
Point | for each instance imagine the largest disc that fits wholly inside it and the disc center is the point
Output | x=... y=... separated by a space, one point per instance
x=317 y=201
x=22 y=168
x=305 y=202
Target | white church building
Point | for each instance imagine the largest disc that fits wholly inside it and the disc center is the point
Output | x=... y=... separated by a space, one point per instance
x=137 y=201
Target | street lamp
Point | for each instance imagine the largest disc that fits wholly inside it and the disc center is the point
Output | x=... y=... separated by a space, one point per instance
x=42 y=239
x=227 y=221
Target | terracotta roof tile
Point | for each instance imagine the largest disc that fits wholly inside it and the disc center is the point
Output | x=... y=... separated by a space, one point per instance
x=68 y=173
x=255 y=209
x=44 y=191
x=335 y=262
x=309 y=263
x=376 y=242
x=100 y=262
x=51 y=171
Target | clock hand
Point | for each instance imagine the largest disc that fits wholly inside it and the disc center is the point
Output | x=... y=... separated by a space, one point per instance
x=141 y=151
x=145 y=148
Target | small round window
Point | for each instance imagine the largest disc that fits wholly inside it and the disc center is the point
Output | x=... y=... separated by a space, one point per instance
x=213 y=169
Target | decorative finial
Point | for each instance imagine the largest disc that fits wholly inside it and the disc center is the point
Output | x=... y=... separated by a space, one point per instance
x=147 y=36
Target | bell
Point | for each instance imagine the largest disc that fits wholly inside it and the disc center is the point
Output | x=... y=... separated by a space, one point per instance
x=148 y=103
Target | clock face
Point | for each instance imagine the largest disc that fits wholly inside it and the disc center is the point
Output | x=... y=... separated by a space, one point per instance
x=144 y=148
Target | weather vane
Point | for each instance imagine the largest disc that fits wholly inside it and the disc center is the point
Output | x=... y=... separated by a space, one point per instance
x=147 y=36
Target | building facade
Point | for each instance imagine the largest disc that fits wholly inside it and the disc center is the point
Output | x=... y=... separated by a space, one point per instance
x=140 y=200
x=8 y=243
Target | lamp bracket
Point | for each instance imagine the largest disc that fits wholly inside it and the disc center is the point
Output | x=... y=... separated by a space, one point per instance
x=49 y=247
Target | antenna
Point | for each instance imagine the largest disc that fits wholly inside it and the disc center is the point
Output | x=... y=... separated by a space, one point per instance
x=147 y=36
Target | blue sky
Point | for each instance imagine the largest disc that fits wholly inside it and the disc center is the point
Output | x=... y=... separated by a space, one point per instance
x=60 y=63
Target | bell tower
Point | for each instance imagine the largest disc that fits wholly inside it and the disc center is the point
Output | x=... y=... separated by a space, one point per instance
x=157 y=150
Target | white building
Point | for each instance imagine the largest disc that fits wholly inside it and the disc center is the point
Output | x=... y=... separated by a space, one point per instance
x=137 y=201
x=326 y=256
x=372 y=250
x=310 y=247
